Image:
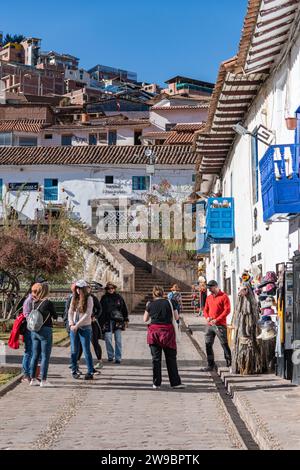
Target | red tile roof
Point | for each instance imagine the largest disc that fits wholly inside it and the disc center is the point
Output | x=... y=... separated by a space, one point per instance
x=162 y=135
x=196 y=126
x=183 y=138
x=174 y=107
x=22 y=125
x=96 y=155
x=101 y=125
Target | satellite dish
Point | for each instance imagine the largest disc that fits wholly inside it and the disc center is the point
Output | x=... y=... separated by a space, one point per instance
x=148 y=152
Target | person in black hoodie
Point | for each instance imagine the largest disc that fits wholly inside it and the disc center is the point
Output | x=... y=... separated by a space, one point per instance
x=114 y=320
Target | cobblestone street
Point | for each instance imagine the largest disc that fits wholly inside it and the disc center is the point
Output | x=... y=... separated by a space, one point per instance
x=119 y=409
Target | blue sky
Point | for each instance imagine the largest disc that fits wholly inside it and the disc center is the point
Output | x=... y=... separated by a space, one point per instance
x=157 y=39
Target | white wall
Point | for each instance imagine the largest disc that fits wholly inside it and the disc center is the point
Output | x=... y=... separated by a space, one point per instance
x=125 y=136
x=279 y=97
x=160 y=118
x=82 y=184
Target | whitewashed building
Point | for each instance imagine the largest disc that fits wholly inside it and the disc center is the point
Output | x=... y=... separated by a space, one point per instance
x=84 y=178
x=258 y=88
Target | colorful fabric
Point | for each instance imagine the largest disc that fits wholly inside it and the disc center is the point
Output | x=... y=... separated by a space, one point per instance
x=161 y=335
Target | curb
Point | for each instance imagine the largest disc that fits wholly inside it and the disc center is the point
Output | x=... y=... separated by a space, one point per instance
x=256 y=426
x=10 y=385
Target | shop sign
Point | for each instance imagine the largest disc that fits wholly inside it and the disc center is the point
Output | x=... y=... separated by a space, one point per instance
x=23 y=186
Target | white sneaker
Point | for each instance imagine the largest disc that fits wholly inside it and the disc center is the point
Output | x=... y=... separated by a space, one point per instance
x=45 y=383
x=155 y=386
x=34 y=383
x=99 y=365
x=181 y=386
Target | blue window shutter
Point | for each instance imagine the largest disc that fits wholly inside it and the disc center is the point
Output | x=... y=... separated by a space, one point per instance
x=1 y=188
x=140 y=183
x=50 y=189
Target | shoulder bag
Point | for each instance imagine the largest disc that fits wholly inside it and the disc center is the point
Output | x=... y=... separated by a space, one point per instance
x=35 y=320
x=176 y=326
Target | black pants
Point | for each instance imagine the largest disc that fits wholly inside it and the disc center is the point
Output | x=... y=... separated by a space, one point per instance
x=94 y=341
x=210 y=335
x=171 y=361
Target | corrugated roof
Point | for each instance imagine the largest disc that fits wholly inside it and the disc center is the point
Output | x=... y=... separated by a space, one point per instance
x=96 y=155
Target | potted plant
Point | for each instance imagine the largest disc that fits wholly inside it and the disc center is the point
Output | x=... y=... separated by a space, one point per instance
x=291 y=123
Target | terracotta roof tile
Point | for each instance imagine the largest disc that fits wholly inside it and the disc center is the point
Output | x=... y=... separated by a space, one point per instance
x=22 y=125
x=196 y=126
x=187 y=106
x=96 y=155
x=156 y=135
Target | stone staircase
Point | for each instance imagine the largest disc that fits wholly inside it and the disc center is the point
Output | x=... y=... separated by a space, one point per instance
x=145 y=280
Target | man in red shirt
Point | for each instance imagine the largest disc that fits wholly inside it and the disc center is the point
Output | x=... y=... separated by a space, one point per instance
x=217 y=308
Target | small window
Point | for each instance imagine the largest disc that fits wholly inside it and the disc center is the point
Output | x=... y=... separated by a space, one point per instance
x=48 y=136
x=50 y=189
x=1 y=188
x=255 y=219
x=102 y=138
x=170 y=126
x=92 y=139
x=5 y=139
x=137 y=137
x=193 y=178
x=109 y=180
x=27 y=141
x=140 y=183
x=66 y=140
x=112 y=137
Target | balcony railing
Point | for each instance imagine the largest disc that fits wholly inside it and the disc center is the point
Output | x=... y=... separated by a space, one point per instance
x=280 y=181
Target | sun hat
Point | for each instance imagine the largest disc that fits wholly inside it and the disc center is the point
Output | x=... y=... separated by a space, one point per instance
x=270 y=289
x=270 y=276
x=81 y=283
x=267 y=334
x=267 y=303
x=267 y=311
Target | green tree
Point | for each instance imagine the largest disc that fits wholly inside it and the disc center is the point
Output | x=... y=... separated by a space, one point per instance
x=18 y=38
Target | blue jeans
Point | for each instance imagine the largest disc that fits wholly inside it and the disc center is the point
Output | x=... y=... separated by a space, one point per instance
x=109 y=345
x=27 y=353
x=41 y=346
x=82 y=336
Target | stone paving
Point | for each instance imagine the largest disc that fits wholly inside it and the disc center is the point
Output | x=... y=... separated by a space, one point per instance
x=119 y=409
x=269 y=405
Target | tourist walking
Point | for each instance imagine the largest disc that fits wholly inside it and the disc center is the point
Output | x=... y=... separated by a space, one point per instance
x=80 y=319
x=175 y=296
x=67 y=326
x=217 y=308
x=27 y=307
x=162 y=337
x=115 y=320
x=41 y=339
x=97 y=334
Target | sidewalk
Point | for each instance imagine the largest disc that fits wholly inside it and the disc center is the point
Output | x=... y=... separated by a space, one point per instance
x=269 y=405
x=119 y=409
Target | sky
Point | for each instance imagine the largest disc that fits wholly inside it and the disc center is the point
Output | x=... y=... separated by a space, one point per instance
x=158 y=39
